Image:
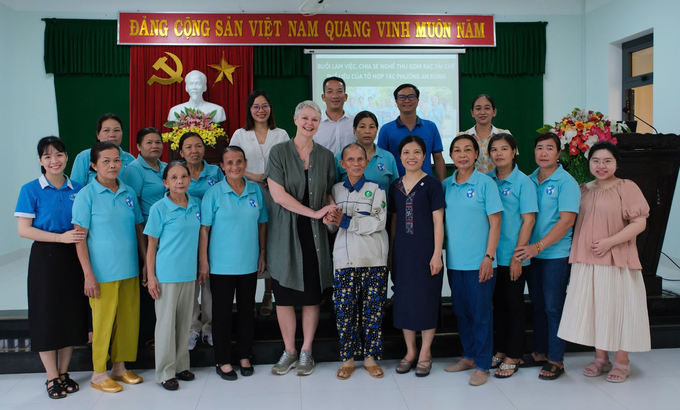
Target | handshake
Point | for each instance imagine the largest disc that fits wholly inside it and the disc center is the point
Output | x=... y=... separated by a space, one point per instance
x=333 y=215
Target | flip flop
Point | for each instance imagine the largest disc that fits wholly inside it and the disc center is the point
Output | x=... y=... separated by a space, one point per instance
x=506 y=366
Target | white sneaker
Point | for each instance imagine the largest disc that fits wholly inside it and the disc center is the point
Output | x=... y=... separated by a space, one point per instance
x=207 y=338
x=194 y=337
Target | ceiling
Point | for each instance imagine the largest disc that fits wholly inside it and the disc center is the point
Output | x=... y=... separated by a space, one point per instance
x=496 y=7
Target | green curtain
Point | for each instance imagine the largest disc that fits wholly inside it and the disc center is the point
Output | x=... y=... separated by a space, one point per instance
x=81 y=100
x=84 y=47
x=519 y=101
x=520 y=50
x=281 y=61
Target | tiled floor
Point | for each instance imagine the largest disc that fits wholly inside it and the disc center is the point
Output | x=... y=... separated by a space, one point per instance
x=654 y=384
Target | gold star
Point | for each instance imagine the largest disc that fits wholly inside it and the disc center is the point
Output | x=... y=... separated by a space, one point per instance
x=225 y=69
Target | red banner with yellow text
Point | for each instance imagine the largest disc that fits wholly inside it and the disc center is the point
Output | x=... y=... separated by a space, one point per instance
x=187 y=29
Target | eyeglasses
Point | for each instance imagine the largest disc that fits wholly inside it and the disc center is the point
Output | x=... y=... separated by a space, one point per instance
x=403 y=97
x=264 y=107
x=607 y=162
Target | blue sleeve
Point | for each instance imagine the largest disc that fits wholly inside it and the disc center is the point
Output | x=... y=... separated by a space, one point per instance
x=134 y=178
x=340 y=173
x=219 y=176
x=27 y=203
x=570 y=196
x=154 y=225
x=207 y=211
x=528 y=201
x=437 y=199
x=264 y=214
x=344 y=223
x=492 y=199
x=137 y=209
x=437 y=145
x=81 y=213
x=445 y=183
x=81 y=168
x=383 y=139
x=393 y=168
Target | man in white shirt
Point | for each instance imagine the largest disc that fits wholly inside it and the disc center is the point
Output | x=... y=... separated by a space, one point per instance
x=335 y=130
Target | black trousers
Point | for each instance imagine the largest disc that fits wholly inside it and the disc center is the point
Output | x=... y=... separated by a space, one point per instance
x=509 y=314
x=223 y=288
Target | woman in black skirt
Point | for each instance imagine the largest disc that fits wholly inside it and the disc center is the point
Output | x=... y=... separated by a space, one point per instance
x=300 y=175
x=57 y=307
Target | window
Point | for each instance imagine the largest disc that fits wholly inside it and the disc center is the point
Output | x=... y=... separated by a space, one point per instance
x=638 y=81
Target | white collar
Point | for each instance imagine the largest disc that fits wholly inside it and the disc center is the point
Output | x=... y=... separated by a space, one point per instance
x=44 y=183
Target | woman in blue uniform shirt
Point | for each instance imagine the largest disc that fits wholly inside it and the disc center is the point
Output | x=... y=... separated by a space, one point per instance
x=559 y=197
x=233 y=261
x=381 y=167
x=109 y=128
x=145 y=174
x=108 y=212
x=55 y=280
x=473 y=225
x=203 y=176
x=518 y=195
x=172 y=260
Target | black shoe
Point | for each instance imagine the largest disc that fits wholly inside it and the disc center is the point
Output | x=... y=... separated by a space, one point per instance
x=231 y=376
x=247 y=371
x=185 y=376
x=170 y=384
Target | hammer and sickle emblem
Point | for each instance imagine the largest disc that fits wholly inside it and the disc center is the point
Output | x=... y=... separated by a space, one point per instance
x=175 y=75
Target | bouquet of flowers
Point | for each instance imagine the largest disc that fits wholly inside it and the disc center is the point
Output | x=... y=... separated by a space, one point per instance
x=579 y=131
x=191 y=120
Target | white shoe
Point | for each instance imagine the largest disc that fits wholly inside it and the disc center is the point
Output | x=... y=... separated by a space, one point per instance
x=194 y=337
x=207 y=338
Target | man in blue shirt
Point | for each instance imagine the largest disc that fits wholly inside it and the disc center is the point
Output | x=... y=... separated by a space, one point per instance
x=408 y=123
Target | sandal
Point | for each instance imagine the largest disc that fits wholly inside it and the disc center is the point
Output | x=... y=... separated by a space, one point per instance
x=597 y=366
x=506 y=366
x=69 y=383
x=266 y=307
x=56 y=390
x=496 y=361
x=528 y=360
x=622 y=370
x=423 y=368
x=375 y=371
x=556 y=371
x=344 y=372
x=405 y=366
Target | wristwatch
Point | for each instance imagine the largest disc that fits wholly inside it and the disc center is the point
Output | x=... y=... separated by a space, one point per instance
x=486 y=255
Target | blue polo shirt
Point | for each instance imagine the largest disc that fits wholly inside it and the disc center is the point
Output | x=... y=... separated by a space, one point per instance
x=177 y=231
x=382 y=168
x=468 y=206
x=558 y=193
x=146 y=182
x=234 y=237
x=81 y=172
x=393 y=132
x=48 y=206
x=211 y=175
x=518 y=195
x=111 y=239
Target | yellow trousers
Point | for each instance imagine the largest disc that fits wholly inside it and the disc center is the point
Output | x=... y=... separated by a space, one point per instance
x=115 y=323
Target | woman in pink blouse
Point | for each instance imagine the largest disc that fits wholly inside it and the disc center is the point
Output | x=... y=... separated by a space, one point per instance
x=606 y=306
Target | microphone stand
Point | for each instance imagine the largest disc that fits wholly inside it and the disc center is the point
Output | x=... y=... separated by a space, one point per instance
x=627 y=111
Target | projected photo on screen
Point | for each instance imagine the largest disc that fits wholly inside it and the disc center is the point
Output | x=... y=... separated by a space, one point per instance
x=372 y=78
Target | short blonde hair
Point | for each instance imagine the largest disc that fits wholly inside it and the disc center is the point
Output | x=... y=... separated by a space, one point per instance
x=307 y=103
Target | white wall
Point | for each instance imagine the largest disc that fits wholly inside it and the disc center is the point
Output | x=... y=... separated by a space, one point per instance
x=606 y=28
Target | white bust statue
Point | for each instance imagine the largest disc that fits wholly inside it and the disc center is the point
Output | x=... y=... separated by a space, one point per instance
x=195 y=84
